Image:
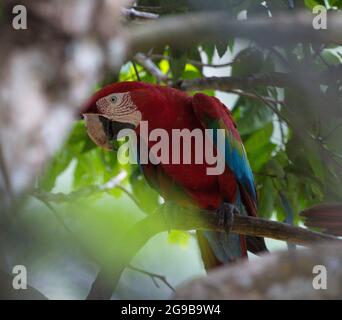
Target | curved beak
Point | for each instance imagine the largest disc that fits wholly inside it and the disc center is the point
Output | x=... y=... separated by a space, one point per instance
x=102 y=130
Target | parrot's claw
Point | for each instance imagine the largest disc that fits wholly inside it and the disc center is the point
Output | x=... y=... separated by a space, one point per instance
x=225 y=214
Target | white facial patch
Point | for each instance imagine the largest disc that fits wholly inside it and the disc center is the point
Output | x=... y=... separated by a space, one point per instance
x=119 y=107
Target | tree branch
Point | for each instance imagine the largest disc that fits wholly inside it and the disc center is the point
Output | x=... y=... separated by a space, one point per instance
x=153 y=276
x=151 y=67
x=284 y=275
x=195 y=62
x=183 y=219
x=189 y=29
x=277 y=79
x=84 y=248
x=132 y=13
x=5 y=176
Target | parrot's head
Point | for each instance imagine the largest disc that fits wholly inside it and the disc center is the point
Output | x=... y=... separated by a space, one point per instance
x=115 y=107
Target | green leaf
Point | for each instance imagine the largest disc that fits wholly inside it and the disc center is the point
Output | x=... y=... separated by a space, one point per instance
x=209 y=49
x=266 y=198
x=248 y=61
x=259 y=147
x=251 y=115
x=231 y=43
x=178 y=60
x=221 y=48
x=180 y=238
x=312 y=3
x=77 y=143
x=147 y=197
x=195 y=55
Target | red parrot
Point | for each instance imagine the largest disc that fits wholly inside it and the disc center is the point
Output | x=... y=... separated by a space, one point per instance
x=126 y=104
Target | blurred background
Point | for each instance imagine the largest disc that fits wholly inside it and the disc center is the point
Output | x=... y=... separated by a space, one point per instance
x=66 y=203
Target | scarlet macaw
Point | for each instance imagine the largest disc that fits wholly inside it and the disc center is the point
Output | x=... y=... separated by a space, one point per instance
x=125 y=104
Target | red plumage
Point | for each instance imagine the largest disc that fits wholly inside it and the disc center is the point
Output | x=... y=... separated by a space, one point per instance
x=189 y=184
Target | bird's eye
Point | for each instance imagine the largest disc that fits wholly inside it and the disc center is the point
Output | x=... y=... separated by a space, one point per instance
x=113 y=99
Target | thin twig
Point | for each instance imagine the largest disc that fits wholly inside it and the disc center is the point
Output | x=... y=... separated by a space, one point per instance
x=280 y=57
x=131 y=196
x=151 y=67
x=135 y=14
x=62 y=197
x=253 y=96
x=194 y=62
x=5 y=176
x=58 y=217
x=332 y=131
x=273 y=108
x=136 y=71
x=153 y=276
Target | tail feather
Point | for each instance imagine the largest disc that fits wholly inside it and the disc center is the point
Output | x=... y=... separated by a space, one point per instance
x=327 y=217
x=218 y=248
x=208 y=256
x=255 y=245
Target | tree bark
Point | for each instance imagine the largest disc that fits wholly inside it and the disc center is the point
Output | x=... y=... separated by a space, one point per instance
x=285 y=275
x=189 y=29
x=182 y=219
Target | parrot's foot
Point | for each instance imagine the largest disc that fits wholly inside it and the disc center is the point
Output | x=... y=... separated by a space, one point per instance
x=225 y=214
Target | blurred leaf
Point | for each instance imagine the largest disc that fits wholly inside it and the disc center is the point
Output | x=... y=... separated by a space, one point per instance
x=251 y=115
x=231 y=43
x=77 y=143
x=266 y=198
x=180 y=238
x=312 y=3
x=221 y=48
x=195 y=55
x=259 y=147
x=147 y=197
x=191 y=72
x=177 y=63
x=248 y=61
x=209 y=49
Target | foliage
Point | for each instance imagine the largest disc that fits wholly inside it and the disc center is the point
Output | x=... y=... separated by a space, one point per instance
x=281 y=161
x=295 y=152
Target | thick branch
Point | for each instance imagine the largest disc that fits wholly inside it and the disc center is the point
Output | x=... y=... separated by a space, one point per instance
x=190 y=29
x=284 y=275
x=275 y=79
x=135 y=239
